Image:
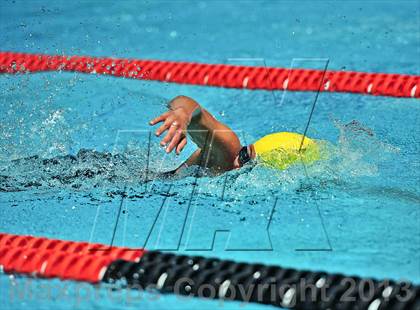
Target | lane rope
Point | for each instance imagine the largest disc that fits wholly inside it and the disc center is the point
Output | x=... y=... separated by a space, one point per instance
x=67 y=260
x=93 y=263
x=219 y=75
x=200 y=276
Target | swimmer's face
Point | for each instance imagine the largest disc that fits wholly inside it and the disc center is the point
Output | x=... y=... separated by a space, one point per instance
x=251 y=154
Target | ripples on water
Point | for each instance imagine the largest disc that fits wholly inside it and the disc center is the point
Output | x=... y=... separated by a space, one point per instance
x=357 y=153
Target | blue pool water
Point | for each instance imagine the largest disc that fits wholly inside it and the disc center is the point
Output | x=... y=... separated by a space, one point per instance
x=355 y=213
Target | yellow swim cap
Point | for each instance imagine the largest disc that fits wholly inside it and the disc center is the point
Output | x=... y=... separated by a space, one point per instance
x=280 y=150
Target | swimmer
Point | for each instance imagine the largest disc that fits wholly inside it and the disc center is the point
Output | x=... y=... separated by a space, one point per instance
x=219 y=148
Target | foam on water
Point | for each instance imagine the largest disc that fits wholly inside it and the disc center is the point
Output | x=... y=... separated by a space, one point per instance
x=357 y=153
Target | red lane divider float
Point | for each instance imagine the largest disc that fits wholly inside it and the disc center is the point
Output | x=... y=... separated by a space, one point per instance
x=67 y=260
x=188 y=275
x=266 y=78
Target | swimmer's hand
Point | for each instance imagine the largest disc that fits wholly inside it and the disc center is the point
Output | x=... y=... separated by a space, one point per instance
x=175 y=122
x=218 y=145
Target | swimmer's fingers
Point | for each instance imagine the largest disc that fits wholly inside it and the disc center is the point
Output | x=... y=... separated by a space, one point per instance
x=175 y=140
x=164 y=127
x=159 y=119
x=181 y=145
x=169 y=136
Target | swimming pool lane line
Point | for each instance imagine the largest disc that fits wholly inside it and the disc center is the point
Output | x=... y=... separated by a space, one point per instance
x=219 y=75
x=200 y=276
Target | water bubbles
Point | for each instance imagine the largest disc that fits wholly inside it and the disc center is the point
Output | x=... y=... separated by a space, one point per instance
x=12 y=279
x=358 y=152
x=173 y=34
x=87 y=169
x=53 y=118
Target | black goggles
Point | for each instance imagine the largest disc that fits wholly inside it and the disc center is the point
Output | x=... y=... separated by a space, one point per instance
x=244 y=156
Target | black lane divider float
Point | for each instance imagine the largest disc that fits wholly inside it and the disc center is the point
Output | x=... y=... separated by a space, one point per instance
x=200 y=276
x=257 y=283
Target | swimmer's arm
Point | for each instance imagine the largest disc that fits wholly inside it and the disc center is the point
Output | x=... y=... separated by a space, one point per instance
x=193 y=160
x=203 y=128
